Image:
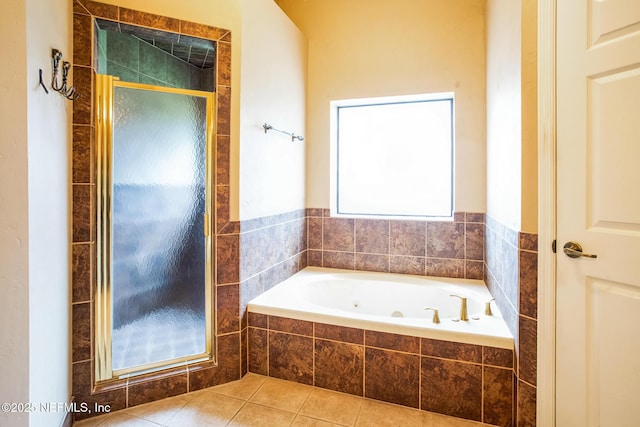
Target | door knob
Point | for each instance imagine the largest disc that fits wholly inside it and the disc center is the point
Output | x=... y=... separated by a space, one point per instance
x=574 y=250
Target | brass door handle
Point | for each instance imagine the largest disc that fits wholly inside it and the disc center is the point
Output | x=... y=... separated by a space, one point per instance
x=574 y=250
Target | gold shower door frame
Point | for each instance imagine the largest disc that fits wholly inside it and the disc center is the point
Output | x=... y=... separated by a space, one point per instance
x=104 y=100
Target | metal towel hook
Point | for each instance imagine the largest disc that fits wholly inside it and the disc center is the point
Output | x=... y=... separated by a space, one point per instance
x=69 y=93
x=56 y=56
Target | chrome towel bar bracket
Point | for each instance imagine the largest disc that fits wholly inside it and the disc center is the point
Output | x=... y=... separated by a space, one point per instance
x=268 y=127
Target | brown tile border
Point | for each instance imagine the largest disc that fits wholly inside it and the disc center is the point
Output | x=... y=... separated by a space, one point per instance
x=452 y=350
x=291 y=326
x=81 y=331
x=101 y=10
x=392 y=377
x=291 y=357
x=339 y=366
x=404 y=343
x=452 y=388
x=336 y=333
x=431 y=248
x=514 y=285
x=122 y=393
x=151 y=20
x=385 y=366
x=497 y=357
x=498 y=392
x=526 y=405
x=147 y=389
x=81 y=259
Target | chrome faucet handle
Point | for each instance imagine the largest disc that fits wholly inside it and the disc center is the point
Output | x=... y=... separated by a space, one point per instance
x=487 y=307
x=463 y=307
x=436 y=317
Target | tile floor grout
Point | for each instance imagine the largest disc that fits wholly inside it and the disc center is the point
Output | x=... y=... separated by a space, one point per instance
x=256 y=394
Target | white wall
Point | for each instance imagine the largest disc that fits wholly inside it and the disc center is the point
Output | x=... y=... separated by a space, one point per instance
x=364 y=48
x=35 y=363
x=49 y=136
x=504 y=111
x=272 y=90
x=14 y=221
x=512 y=120
x=529 y=209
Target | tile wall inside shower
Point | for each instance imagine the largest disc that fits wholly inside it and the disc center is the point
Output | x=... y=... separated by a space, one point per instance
x=134 y=60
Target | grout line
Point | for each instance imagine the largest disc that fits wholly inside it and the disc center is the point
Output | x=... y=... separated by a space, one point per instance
x=420 y=376
x=355 y=421
x=257 y=389
x=237 y=412
x=364 y=370
x=482 y=394
x=389 y=246
x=313 y=354
x=426 y=247
x=268 y=339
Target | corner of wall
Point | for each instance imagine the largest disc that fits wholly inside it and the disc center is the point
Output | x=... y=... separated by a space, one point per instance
x=14 y=227
x=512 y=277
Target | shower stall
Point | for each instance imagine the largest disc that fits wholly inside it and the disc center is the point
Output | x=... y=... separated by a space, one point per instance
x=154 y=298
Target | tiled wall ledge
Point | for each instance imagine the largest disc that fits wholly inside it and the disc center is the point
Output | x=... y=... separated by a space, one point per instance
x=432 y=248
x=256 y=254
x=269 y=241
x=253 y=256
x=511 y=259
x=461 y=380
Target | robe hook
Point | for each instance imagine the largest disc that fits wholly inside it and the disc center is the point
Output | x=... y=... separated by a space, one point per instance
x=69 y=93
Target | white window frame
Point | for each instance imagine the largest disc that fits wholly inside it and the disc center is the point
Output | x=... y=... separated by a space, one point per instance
x=334 y=110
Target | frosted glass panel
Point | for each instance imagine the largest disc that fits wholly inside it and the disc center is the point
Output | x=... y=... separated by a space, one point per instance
x=396 y=159
x=158 y=244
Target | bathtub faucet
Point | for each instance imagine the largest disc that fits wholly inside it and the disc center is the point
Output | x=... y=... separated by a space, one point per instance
x=436 y=317
x=487 y=307
x=463 y=307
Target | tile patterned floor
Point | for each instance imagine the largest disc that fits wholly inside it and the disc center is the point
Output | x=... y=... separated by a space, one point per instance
x=256 y=401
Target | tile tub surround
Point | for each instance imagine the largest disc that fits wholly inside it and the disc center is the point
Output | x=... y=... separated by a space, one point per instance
x=258 y=254
x=511 y=275
x=432 y=248
x=261 y=252
x=462 y=380
x=120 y=394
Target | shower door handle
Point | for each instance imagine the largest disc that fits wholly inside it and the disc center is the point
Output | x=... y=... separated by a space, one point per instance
x=206 y=225
x=574 y=250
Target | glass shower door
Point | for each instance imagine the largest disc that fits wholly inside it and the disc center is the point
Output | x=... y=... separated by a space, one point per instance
x=156 y=244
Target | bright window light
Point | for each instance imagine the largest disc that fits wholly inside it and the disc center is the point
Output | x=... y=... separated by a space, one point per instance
x=394 y=157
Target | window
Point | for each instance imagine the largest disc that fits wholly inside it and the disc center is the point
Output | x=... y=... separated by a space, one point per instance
x=393 y=156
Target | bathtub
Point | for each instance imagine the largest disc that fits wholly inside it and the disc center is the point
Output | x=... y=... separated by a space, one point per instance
x=393 y=303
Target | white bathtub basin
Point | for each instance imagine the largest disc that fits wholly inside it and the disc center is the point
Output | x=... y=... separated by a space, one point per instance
x=385 y=302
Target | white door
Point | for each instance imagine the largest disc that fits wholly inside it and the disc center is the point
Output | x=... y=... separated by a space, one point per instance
x=598 y=206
